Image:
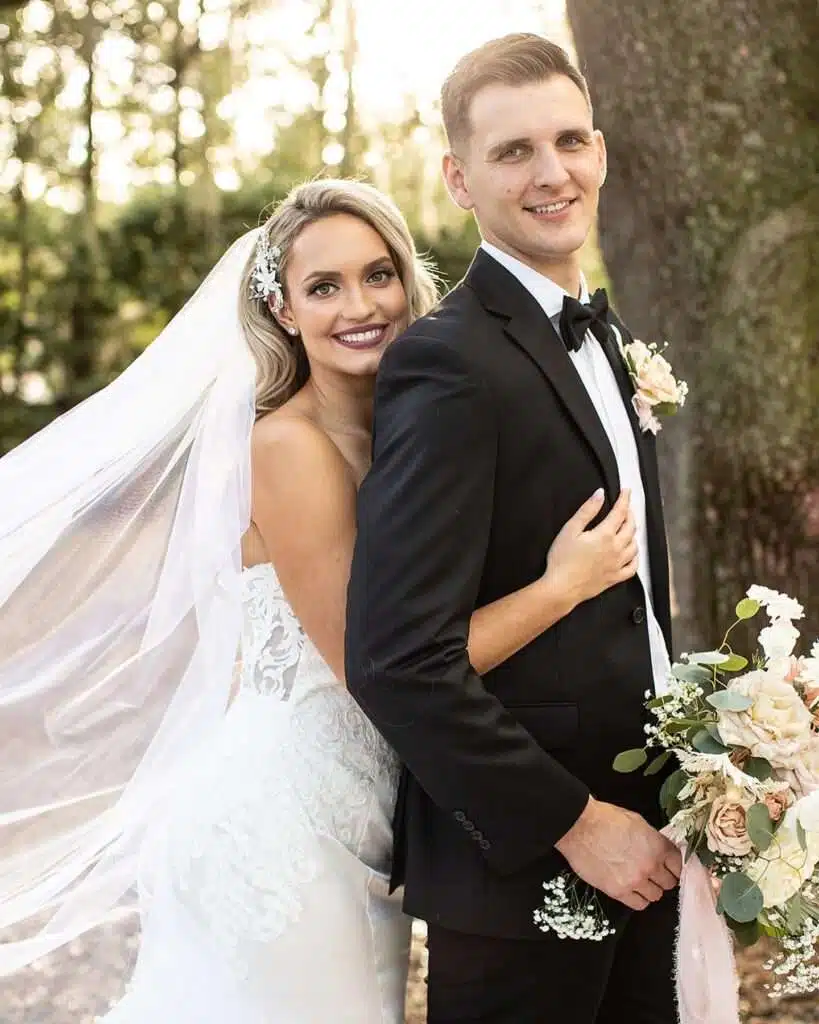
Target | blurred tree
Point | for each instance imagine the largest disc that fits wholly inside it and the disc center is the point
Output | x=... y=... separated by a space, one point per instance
x=710 y=228
x=121 y=180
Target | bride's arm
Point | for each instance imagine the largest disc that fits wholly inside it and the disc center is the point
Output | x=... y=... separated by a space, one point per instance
x=581 y=564
x=303 y=508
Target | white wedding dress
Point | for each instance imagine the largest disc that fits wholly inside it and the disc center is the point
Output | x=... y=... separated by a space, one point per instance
x=264 y=891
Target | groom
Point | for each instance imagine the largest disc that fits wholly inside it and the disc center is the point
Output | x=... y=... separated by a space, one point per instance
x=496 y=417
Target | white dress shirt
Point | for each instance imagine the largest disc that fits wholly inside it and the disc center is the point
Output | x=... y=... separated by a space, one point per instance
x=598 y=378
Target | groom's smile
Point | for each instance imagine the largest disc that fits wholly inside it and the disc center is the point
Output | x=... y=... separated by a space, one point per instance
x=530 y=169
x=552 y=211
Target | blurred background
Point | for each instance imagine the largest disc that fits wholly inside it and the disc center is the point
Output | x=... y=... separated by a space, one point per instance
x=139 y=137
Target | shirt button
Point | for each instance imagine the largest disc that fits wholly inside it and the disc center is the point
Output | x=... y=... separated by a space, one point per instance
x=638 y=615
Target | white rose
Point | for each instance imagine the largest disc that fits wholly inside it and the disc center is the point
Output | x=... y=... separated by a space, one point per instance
x=809 y=671
x=777 y=726
x=806 y=811
x=803 y=775
x=779 y=639
x=778 y=606
x=655 y=379
x=781 y=871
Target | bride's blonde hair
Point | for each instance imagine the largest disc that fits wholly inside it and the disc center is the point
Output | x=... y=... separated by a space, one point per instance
x=281 y=361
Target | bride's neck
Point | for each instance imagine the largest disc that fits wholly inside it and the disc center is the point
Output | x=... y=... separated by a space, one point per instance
x=343 y=404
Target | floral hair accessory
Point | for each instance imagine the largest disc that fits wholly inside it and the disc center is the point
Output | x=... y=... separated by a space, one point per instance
x=264 y=281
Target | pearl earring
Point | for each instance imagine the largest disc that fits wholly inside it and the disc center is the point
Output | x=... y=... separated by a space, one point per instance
x=292 y=330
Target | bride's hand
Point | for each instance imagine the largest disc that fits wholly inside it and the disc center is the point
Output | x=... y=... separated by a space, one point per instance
x=586 y=562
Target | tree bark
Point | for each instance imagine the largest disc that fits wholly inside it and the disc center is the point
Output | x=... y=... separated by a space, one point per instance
x=709 y=225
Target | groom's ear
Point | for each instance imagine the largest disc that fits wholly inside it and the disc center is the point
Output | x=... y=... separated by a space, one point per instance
x=455 y=180
x=600 y=142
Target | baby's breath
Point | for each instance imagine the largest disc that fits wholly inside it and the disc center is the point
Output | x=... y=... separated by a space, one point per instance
x=571 y=913
x=795 y=965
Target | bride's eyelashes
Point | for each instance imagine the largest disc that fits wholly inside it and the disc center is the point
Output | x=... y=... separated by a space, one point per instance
x=379 y=278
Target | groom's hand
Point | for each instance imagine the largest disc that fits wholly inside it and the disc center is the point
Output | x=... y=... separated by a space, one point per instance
x=618 y=852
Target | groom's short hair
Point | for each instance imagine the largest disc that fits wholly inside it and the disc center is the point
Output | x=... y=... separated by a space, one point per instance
x=517 y=59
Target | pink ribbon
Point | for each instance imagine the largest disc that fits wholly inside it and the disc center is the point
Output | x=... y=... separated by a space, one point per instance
x=707 y=983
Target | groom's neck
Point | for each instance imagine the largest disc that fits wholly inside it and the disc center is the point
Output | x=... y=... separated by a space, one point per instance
x=563 y=270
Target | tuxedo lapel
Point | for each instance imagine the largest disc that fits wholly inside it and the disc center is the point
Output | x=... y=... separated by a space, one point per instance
x=647 y=452
x=529 y=327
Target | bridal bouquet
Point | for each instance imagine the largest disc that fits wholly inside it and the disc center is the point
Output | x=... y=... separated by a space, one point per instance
x=745 y=795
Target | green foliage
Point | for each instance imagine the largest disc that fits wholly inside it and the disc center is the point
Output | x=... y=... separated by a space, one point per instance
x=740 y=898
x=630 y=760
x=760 y=827
x=83 y=292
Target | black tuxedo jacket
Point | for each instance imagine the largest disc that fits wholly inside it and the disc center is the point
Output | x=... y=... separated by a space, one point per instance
x=485 y=443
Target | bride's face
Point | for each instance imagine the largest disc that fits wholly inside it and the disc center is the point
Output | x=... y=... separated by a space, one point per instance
x=343 y=294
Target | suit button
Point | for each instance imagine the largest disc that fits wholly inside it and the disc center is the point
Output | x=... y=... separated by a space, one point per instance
x=638 y=615
x=459 y=816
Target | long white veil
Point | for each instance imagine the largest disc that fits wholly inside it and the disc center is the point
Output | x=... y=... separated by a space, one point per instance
x=120 y=528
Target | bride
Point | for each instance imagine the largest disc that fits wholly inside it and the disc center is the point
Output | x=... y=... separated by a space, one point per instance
x=204 y=503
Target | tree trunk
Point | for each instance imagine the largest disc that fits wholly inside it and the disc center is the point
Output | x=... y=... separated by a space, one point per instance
x=709 y=225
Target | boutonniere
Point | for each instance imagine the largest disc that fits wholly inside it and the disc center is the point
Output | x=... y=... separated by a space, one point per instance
x=657 y=392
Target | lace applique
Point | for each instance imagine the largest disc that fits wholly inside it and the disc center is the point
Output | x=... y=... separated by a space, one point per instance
x=282 y=774
x=248 y=848
x=272 y=637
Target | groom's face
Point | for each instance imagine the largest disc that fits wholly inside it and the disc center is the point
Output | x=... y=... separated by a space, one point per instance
x=530 y=169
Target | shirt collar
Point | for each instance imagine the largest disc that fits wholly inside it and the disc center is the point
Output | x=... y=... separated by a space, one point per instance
x=548 y=294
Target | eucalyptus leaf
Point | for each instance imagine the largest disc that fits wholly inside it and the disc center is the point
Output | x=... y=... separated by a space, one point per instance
x=795 y=914
x=728 y=700
x=741 y=898
x=705 y=743
x=681 y=724
x=747 y=608
x=747 y=933
x=690 y=673
x=708 y=658
x=630 y=760
x=670 y=790
x=735 y=663
x=658 y=763
x=694 y=846
x=759 y=825
x=658 y=702
x=758 y=768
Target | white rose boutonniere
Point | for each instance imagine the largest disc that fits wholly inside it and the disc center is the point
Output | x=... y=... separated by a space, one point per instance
x=657 y=392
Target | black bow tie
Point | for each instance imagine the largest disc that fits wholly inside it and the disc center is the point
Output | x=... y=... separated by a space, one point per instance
x=577 y=317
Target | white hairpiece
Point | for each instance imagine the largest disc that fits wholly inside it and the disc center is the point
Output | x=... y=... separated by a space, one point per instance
x=264 y=281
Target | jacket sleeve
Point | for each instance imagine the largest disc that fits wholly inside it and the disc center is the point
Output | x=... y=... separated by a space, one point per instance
x=424 y=520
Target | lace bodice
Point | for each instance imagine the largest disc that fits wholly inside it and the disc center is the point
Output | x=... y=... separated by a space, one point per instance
x=296 y=760
x=273 y=641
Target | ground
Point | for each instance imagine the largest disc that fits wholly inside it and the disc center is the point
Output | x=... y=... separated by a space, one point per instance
x=79 y=983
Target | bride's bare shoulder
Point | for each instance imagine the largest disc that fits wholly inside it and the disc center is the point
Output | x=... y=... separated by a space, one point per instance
x=289 y=440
